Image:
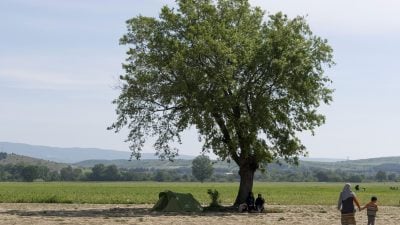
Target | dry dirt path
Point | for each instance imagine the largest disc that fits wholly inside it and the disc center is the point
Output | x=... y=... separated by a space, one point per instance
x=89 y=214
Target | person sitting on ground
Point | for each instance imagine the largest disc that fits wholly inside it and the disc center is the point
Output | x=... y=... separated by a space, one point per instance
x=260 y=203
x=250 y=202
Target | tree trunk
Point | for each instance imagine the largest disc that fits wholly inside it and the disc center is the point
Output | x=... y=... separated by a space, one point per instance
x=246 y=184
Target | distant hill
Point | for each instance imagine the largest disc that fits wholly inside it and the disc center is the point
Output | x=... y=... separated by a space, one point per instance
x=70 y=155
x=362 y=166
x=374 y=161
x=154 y=164
x=88 y=157
x=143 y=163
x=374 y=164
x=15 y=159
x=321 y=159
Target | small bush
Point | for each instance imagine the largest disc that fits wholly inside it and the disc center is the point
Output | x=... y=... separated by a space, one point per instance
x=215 y=201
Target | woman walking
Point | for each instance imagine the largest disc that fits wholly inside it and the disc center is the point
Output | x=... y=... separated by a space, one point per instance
x=346 y=202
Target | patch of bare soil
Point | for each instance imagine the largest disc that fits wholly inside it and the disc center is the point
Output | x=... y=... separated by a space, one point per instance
x=89 y=214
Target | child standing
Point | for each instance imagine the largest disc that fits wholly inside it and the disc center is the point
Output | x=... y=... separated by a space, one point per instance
x=372 y=208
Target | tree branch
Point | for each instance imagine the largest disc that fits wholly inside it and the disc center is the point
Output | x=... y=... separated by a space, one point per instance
x=227 y=138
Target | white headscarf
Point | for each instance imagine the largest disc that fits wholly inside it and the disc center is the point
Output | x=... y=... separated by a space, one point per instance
x=345 y=194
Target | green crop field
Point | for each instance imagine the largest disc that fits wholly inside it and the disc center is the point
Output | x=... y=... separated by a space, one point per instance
x=147 y=192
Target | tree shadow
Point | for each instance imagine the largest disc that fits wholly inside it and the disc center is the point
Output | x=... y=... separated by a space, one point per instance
x=112 y=212
x=116 y=212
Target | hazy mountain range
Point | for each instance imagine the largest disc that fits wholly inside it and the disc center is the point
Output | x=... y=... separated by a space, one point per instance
x=91 y=156
x=71 y=155
x=56 y=158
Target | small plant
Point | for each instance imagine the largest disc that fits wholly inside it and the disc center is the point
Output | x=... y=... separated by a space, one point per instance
x=214 y=195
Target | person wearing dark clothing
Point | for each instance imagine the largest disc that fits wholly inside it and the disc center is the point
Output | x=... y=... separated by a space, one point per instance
x=260 y=203
x=250 y=202
x=346 y=202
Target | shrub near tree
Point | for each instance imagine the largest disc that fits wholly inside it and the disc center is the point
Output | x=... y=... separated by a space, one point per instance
x=248 y=84
x=29 y=173
x=100 y=172
x=214 y=196
x=381 y=176
x=202 y=168
x=3 y=155
x=70 y=174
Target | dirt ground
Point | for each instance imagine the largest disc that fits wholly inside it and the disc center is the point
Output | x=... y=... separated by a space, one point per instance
x=88 y=214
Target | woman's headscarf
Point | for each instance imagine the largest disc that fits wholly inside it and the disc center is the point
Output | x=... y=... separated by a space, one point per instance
x=345 y=194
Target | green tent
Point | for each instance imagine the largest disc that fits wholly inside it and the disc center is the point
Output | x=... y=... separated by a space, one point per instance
x=177 y=202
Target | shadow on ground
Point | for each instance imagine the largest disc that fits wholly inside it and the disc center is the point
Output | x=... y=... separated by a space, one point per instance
x=113 y=212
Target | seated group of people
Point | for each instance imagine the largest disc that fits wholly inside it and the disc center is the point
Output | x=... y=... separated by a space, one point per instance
x=252 y=205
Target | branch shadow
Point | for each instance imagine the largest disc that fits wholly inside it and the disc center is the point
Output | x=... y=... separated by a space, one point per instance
x=115 y=212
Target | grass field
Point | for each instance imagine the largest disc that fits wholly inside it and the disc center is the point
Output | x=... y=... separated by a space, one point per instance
x=147 y=192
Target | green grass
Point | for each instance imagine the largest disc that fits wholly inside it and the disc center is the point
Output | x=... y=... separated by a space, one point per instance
x=147 y=192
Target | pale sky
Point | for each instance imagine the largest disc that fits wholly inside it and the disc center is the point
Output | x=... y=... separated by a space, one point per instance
x=60 y=60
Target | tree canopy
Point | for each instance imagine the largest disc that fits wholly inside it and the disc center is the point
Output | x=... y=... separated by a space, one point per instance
x=249 y=84
x=202 y=167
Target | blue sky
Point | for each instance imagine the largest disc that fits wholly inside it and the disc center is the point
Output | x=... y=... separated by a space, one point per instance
x=60 y=60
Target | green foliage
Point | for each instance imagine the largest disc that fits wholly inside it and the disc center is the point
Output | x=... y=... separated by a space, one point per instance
x=70 y=174
x=161 y=176
x=181 y=171
x=29 y=173
x=248 y=86
x=381 y=176
x=3 y=155
x=104 y=173
x=214 y=195
x=202 y=168
x=392 y=177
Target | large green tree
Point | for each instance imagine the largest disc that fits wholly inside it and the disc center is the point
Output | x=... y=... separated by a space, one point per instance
x=249 y=84
x=202 y=167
